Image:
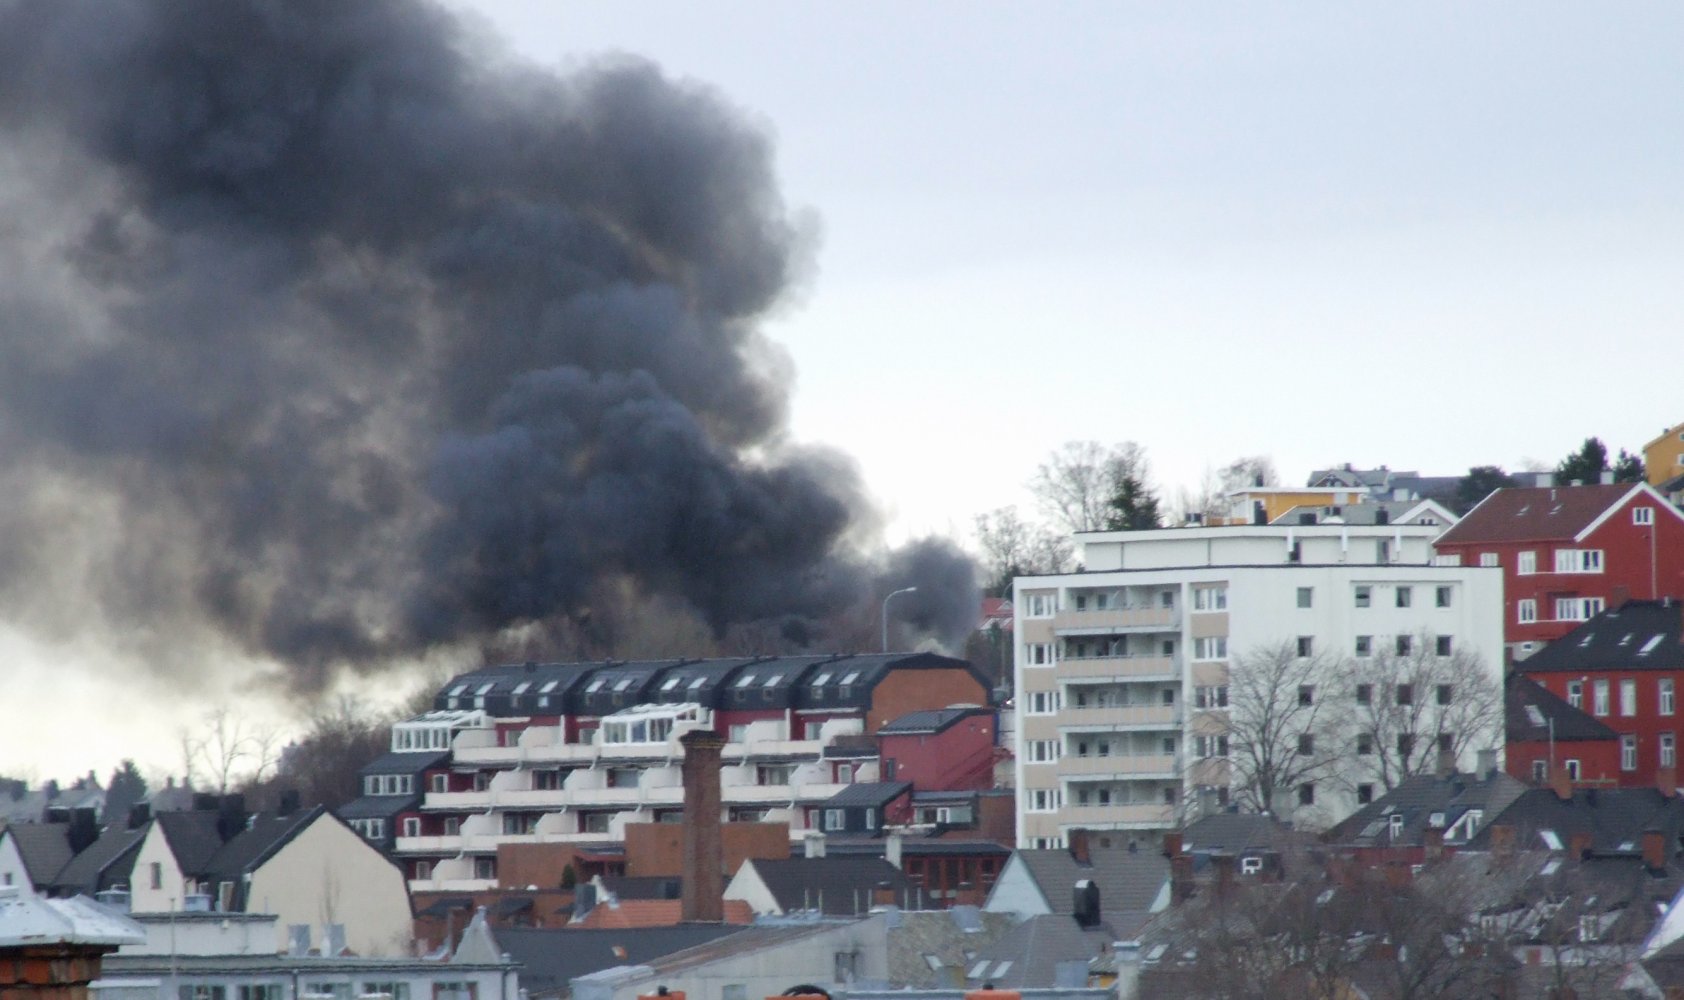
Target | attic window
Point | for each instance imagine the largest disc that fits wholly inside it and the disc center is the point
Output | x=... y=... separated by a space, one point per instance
x=1551 y=839
x=853 y=676
x=671 y=683
x=1626 y=639
x=1649 y=646
x=1587 y=640
x=548 y=687
x=456 y=692
x=485 y=688
x=1536 y=717
x=820 y=680
x=745 y=680
x=595 y=686
x=698 y=682
x=520 y=688
x=625 y=682
x=772 y=681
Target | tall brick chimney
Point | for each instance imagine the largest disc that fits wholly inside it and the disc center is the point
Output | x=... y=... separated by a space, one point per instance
x=704 y=876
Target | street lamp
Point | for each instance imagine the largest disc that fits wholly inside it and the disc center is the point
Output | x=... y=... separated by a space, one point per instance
x=886 y=600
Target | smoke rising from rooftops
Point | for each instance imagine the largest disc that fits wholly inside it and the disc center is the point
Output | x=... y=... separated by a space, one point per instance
x=332 y=336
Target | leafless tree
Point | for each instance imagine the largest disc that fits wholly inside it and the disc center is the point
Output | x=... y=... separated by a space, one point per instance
x=1251 y=470
x=228 y=749
x=1079 y=485
x=1412 y=705
x=1285 y=728
x=1013 y=547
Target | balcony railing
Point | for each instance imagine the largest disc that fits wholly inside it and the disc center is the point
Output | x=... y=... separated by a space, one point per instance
x=1100 y=817
x=1127 y=717
x=1123 y=618
x=1120 y=667
x=1120 y=766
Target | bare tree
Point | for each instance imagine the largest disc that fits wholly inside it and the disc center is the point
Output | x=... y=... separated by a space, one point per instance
x=1087 y=486
x=1251 y=470
x=1285 y=729
x=228 y=749
x=1012 y=547
x=1414 y=704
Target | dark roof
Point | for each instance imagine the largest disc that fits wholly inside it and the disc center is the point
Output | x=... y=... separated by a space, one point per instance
x=377 y=806
x=1418 y=798
x=1046 y=950
x=644 y=886
x=1535 y=513
x=851 y=746
x=1615 y=818
x=1638 y=635
x=102 y=864
x=543 y=688
x=1238 y=832
x=550 y=959
x=265 y=834
x=838 y=886
x=1129 y=882
x=44 y=848
x=404 y=763
x=191 y=836
x=868 y=793
x=1529 y=709
x=445 y=906
x=867 y=846
x=930 y=721
x=617 y=685
x=699 y=681
x=847 y=681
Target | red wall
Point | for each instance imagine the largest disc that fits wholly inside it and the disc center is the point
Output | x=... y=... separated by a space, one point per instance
x=1599 y=760
x=958 y=759
x=1626 y=568
x=1647 y=724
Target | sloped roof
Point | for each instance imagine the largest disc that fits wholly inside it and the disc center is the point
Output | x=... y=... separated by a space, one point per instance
x=929 y=721
x=868 y=793
x=1638 y=635
x=1535 y=513
x=1238 y=832
x=404 y=763
x=1615 y=818
x=102 y=864
x=655 y=913
x=1533 y=714
x=376 y=806
x=551 y=958
x=1032 y=954
x=1416 y=799
x=191 y=836
x=44 y=848
x=920 y=938
x=1129 y=881
x=837 y=886
x=265 y=834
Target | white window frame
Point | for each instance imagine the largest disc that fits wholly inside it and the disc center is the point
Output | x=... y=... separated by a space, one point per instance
x=1037 y=654
x=1599 y=698
x=1526 y=611
x=1643 y=515
x=1040 y=605
x=1043 y=751
x=1041 y=800
x=1665 y=696
x=1667 y=747
x=1628 y=752
x=1526 y=563
x=1628 y=697
x=1041 y=703
x=1576 y=694
x=1578 y=560
x=1492 y=559
x=1210 y=598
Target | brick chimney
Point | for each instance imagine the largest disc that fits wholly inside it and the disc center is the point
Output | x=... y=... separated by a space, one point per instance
x=1224 y=864
x=1654 y=850
x=1666 y=782
x=1502 y=841
x=1079 y=850
x=704 y=877
x=1562 y=784
x=1172 y=845
x=1578 y=845
x=1432 y=843
x=1181 y=877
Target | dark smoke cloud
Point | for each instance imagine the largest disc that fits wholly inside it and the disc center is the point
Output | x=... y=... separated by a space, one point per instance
x=331 y=338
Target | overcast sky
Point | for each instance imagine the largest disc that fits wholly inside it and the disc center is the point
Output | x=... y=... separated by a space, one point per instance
x=1425 y=235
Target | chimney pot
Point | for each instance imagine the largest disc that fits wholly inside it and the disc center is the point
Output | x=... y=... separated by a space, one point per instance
x=704 y=879
x=1578 y=845
x=1654 y=849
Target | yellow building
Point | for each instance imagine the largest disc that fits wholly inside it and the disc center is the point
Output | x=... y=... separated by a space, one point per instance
x=1273 y=501
x=1663 y=458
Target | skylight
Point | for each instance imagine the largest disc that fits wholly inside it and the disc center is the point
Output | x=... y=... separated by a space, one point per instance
x=1551 y=839
x=671 y=683
x=1649 y=646
x=853 y=676
x=625 y=682
x=696 y=683
x=1534 y=715
x=745 y=680
x=772 y=681
x=595 y=685
x=820 y=680
x=548 y=687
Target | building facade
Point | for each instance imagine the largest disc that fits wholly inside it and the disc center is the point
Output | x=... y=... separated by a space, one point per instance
x=1122 y=670
x=1569 y=552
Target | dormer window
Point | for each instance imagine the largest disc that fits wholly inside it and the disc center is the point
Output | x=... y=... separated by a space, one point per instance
x=745 y=680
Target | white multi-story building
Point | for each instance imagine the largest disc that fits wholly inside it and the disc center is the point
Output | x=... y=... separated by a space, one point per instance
x=1122 y=668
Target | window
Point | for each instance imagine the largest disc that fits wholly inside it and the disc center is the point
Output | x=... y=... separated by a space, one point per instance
x=1576 y=694
x=1572 y=767
x=1306 y=645
x=1043 y=751
x=452 y=826
x=1395 y=825
x=1405 y=596
x=1307 y=794
x=1406 y=694
x=833 y=819
x=1590 y=927
x=438 y=783
x=1042 y=702
x=1365 y=646
x=1668 y=749
x=1306 y=597
x=259 y=991
x=1526 y=612
x=1441 y=597
x=397 y=991
x=1365 y=794
x=1578 y=560
x=485 y=868
x=1040 y=605
x=1490 y=559
x=1441 y=645
x=1599 y=698
x=482 y=781
x=1664 y=696
x=1365 y=694
x=1042 y=800
x=1306 y=694
x=1365 y=744
x=1210 y=647
x=1306 y=744
x=201 y=992
x=1525 y=563
x=412 y=826
x=423 y=872
x=1210 y=598
x=1628 y=697
x=1540 y=771
x=1405 y=744
x=1628 y=752
x=1210 y=697
x=1643 y=515
x=1039 y=654
x=1210 y=746
x=1405 y=645
x=1364 y=596
x=157 y=875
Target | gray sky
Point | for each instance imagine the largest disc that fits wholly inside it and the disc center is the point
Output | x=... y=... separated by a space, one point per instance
x=1426 y=235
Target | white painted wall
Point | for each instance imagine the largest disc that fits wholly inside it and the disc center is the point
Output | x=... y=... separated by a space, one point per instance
x=1016 y=891
x=328 y=874
x=204 y=934
x=747 y=886
x=12 y=870
x=165 y=893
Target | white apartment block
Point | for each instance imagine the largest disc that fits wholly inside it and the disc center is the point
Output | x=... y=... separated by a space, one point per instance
x=1122 y=668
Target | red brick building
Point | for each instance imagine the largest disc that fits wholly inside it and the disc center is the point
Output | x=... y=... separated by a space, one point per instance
x=1548 y=738
x=1570 y=552
x=1624 y=668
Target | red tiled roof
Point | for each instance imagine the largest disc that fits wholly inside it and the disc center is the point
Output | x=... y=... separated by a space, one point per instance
x=654 y=913
x=1533 y=513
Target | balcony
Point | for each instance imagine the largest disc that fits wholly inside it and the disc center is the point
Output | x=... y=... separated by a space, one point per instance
x=1120 y=766
x=1133 y=668
x=742 y=795
x=1122 y=718
x=1101 y=817
x=1121 y=620
x=451 y=844
x=459 y=801
x=452 y=884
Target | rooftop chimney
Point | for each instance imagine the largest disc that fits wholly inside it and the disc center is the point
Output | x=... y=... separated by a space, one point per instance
x=1607 y=477
x=812 y=845
x=1562 y=784
x=892 y=848
x=1079 y=847
x=1666 y=782
x=1654 y=849
x=1579 y=844
x=704 y=878
x=1502 y=841
x=289 y=803
x=1487 y=765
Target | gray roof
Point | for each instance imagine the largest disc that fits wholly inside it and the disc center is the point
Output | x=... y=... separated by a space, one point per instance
x=102 y=864
x=837 y=886
x=869 y=793
x=44 y=847
x=1418 y=798
x=952 y=938
x=1129 y=881
x=1638 y=635
x=550 y=958
x=1043 y=951
x=376 y=806
x=1529 y=709
x=1615 y=818
x=929 y=721
x=1238 y=832
x=404 y=763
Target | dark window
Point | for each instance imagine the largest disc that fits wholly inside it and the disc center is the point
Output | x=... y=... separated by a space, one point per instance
x=1306 y=743
x=1406 y=694
x=1441 y=645
x=1306 y=694
x=1405 y=744
x=1365 y=794
x=1444 y=693
x=1442 y=599
x=1445 y=743
x=1307 y=794
x=1404 y=645
x=1403 y=597
x=1365 y=694
x=1306 y=644
x=1365 y=743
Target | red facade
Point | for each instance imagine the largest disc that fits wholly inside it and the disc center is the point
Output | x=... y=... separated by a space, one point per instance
x=1641 y=732
x=959 y=758
x=1535 y=761
x=1570 y=552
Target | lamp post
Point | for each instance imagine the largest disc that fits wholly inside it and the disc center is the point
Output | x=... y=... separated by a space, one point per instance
x=892 y=595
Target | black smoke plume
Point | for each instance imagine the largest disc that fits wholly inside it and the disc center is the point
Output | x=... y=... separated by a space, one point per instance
x=332 y=336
